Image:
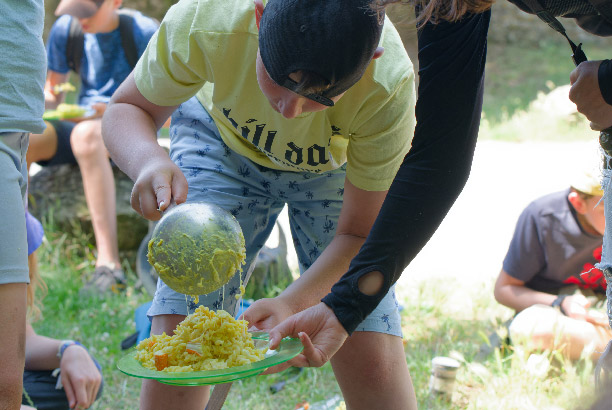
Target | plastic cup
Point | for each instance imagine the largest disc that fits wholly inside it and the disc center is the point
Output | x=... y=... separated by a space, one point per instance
x=443 y=374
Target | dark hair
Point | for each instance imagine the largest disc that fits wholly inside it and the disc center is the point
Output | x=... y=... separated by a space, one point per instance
x=310 y=83
x=435 y=10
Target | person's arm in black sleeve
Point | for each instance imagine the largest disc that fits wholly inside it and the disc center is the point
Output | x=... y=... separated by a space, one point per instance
x=451 y=59
x=604 y=75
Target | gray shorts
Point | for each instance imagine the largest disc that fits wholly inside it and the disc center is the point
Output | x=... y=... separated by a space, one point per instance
x=255 y=195
x=13 y=187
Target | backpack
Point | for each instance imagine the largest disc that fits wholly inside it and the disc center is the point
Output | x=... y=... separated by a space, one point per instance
x=75 y=42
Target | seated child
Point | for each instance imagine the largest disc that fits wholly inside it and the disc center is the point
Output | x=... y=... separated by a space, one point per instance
x=105 y=61
x=548 y=275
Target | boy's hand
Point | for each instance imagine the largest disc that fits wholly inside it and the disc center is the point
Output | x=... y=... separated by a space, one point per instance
x=159 y=183
x=586 y=94
x=99 y=109
x=266 y=313
x=575 y=306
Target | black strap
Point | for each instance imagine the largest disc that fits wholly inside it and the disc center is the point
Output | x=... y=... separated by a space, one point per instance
x=126 y=30
x=74 y=45
x=538 y=9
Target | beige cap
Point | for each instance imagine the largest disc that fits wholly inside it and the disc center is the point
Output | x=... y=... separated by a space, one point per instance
x=588 y=178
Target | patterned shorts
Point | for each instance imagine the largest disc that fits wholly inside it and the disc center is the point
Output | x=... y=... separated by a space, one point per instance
x=255 y=195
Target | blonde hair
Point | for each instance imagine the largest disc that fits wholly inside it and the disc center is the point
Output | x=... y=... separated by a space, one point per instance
x=36 y=285
x=436 y=10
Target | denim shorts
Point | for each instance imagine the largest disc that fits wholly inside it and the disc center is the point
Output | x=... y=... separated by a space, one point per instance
x=13 y=187
x=255 y=195
x=63 y=153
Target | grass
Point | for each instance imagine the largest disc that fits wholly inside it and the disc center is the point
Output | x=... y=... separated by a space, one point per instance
x=517 y=71
x=431 y=328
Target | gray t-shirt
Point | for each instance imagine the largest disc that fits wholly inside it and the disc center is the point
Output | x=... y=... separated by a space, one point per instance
x=23 y=66
x=549 y=249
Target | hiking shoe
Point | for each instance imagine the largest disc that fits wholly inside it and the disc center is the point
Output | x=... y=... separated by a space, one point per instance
x=105 y=279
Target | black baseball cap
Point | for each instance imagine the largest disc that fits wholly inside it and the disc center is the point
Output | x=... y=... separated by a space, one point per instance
x=81 y=9
x=336 y=39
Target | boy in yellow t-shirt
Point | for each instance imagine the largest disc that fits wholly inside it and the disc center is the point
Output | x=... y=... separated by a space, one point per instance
x=292 y=103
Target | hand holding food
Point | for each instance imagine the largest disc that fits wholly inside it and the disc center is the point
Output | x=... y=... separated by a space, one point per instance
x=264 y=314
x=319 y=331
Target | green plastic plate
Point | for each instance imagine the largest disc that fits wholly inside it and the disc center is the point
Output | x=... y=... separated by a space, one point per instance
x=288 y=349
x=51 y=115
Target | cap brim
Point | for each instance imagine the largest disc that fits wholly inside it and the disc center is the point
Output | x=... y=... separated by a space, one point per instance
x=77 y=8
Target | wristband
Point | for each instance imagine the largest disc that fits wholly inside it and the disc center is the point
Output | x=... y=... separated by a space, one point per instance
x=558 y=303
x=65 y=345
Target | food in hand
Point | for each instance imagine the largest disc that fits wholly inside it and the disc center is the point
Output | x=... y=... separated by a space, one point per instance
x=205 y=340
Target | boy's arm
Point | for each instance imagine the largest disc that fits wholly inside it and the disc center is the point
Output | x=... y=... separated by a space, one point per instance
x=129 y=129
x=53 y=98
x=359 y=210
x=513 y=293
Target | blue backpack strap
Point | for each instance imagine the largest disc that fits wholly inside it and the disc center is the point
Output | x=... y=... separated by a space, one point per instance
x=126 y=30
x=74 y=45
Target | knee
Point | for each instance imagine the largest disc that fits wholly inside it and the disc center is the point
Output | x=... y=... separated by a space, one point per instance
x=373 y=358
x=86 y=139
x=535 y=320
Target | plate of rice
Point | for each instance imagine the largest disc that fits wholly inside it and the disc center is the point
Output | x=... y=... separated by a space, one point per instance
x=206 y=348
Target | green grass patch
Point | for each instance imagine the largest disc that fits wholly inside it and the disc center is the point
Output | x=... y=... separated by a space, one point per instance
x=516 y=72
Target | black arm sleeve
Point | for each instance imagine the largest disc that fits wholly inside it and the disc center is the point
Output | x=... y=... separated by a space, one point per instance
x=452 y=59
x=604 y=77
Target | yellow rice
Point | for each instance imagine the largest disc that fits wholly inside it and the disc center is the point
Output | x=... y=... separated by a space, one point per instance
x=224 y=342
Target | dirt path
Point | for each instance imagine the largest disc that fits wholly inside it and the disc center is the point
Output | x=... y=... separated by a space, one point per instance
x=473 y=239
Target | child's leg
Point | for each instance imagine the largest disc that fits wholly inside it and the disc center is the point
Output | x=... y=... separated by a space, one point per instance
x=43 y=146
x=371 y=367
x=99 y=186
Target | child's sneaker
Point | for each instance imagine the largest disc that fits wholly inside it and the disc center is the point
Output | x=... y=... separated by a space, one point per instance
x=105 y=279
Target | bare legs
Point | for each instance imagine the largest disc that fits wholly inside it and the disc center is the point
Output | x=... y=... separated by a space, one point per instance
x=99 y=186
x=98 y=181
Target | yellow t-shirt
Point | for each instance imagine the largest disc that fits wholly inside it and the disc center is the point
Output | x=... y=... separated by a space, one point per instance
x=208 y=49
